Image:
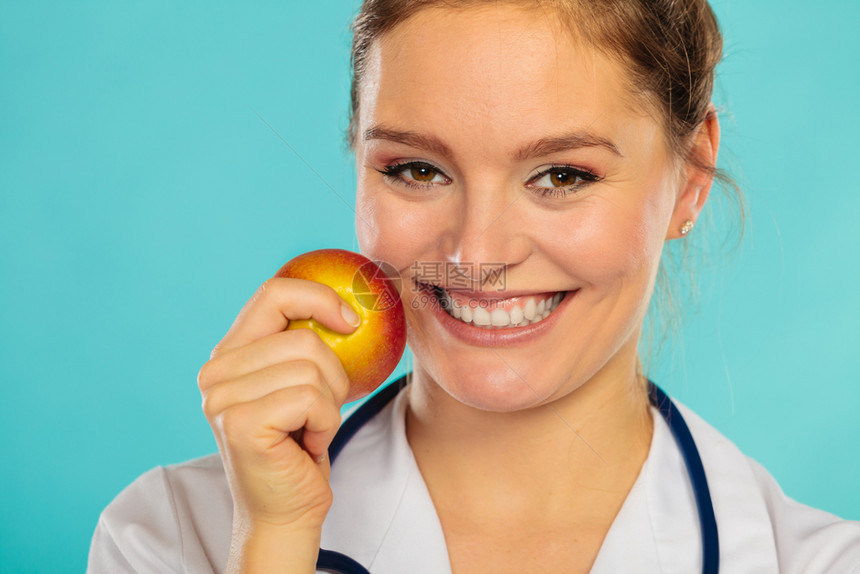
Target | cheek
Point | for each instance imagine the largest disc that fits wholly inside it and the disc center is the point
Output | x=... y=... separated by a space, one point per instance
x=366 y=226
x=390 y=229
x=615 y=240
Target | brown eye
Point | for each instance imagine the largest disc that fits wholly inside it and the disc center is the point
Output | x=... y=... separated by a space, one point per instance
x=563 y=178
x=422 y=173
x=561 y=181
x=415 y=174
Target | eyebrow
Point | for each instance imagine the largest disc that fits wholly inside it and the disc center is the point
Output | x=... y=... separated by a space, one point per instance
x=541 y=147
x=547 y=146
x=411 y=139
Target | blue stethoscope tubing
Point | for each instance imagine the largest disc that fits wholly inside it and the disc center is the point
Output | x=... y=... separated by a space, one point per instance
x=336 y=562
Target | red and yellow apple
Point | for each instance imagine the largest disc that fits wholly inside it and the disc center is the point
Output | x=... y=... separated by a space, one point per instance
x=371 y=352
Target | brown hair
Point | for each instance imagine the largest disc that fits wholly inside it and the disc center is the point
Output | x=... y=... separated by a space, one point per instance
x=669 y=47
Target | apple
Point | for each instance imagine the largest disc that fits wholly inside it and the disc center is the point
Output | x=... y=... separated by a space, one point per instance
x=371 y=352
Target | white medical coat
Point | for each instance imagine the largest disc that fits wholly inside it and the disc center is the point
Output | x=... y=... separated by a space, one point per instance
x=178 y=518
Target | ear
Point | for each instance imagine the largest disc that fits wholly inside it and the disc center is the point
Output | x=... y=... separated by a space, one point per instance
x=696 y=182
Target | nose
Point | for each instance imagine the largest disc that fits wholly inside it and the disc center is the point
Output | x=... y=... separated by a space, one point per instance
x=485 y=238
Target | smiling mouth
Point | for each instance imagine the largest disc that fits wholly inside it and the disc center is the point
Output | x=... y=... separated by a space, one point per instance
x=499 y=313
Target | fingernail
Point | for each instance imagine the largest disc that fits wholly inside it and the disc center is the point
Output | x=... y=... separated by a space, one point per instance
x=320 y=458
x=349 y=315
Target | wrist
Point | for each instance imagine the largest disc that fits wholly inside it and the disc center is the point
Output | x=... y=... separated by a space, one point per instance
x=267 y=548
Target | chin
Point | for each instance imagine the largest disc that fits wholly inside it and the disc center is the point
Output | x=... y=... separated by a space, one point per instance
x=505 y=397
x=489 y=386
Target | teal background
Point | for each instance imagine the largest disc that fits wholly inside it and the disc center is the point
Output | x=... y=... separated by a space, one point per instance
x=143 y=198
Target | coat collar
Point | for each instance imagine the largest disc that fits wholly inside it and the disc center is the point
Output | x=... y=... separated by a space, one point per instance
x=383 y=516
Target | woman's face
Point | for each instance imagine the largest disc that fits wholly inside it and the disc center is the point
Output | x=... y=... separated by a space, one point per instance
x=492 y=146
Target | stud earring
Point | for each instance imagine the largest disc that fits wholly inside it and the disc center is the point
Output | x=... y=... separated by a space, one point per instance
x=686 y=227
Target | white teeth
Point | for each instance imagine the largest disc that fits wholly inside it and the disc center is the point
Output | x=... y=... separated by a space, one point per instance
x=481 y=317
x=455 y=309
x=450 y=305
x=466 y=314
x=500 y=318
x=516 y=315
x=529 y=310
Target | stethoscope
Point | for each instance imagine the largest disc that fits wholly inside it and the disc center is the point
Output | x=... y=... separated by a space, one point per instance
x=336 y=562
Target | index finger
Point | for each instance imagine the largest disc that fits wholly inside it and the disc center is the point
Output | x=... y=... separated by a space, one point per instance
x=280 y=300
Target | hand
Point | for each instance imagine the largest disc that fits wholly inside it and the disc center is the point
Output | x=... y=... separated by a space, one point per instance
x=273 y=398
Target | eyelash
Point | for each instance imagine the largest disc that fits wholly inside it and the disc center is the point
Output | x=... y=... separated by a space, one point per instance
x=584 y=176
x=394 y=172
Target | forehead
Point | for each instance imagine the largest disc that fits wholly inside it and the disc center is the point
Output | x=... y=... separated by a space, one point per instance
x=501 y=71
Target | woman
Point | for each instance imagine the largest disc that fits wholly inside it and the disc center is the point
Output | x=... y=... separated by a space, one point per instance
x=563 y=144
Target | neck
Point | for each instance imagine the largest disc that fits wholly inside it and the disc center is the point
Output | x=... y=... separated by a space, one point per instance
x=588 y=445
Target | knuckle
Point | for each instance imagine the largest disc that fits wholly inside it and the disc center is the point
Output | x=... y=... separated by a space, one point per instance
x=309 y=371
x=336 y=418
x=211 y=403
x=230 y=421
x=313 y=347
x=310 y=345
x=266 y=290
x=334 y=299
x=204 y=376
x=216 y=351
x=308 y=394
x=340 y=386
x=306 y=341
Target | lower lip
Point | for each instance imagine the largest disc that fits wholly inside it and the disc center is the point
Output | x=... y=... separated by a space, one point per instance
x=502 y=337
